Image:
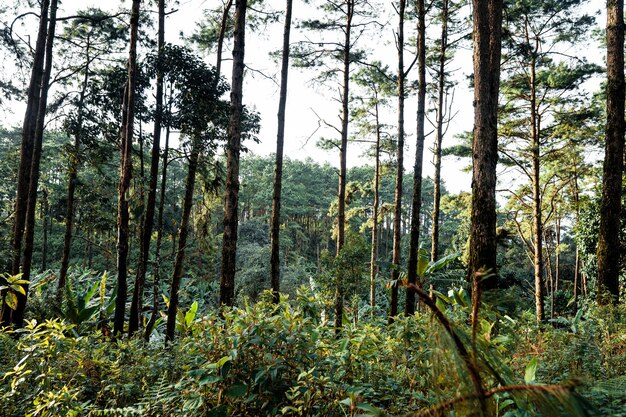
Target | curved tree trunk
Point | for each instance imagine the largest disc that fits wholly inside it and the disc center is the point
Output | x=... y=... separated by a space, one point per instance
x=610 y=208
x=278 y=170
x=416 y=203
x=233 y=149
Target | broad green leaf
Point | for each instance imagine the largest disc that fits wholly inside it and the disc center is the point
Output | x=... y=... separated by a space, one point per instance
x=11 y=300
x=531 y=371
x=191 y=314
x=422 y=265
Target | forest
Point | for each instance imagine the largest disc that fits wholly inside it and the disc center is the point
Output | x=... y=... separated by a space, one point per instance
x=155 y=263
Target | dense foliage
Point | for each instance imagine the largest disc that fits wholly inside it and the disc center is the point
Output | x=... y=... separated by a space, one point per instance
x=267 y=359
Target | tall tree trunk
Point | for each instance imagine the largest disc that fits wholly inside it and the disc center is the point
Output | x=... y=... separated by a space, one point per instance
x=233 y=149
x=71 y=185
x=610 y=208
x=375 y=204
x=182 y=239
x=45 y=211
x=26 y=156
x=28 y=140
x=278 y=170
x=157 y=255
x=126 y=175
x=397 y=218
x=416 y=203
x=148 y=218
x=487 y=17
x=341 y=194
x=434 y=254
x=17 y=316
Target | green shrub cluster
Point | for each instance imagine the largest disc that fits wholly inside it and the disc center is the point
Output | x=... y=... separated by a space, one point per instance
x=285 y=360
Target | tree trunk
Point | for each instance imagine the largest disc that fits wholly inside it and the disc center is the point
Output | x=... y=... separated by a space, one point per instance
x=375 y=204
x=487 y=18
x=45 y=210
x=148 y=218
x=434 y=251
x=397 y=219
x=182 y=239
x=278 y=170
x=157 y=255
x=610 y=208
x=341 y=194
x=71 y=186
x=233 y=149
x=17 y=316
x=125 y=175
x=26 y=155
x=416 y=203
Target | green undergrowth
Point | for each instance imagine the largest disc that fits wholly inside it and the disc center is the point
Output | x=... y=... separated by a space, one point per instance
x=285 y=360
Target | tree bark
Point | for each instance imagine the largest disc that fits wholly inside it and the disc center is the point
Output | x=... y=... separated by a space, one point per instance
x=434 y=251
x=375 y=204
x=126 y=145
x=148 y=218
x=278 y=170
x=182 y=239
x=17 y=316
x=28 y=141
x=397 y=213
x=487 y=18
x=45 y=210
x=341 y=193
x=71 y=185
x=233 y=149
x=611 y=206
x=416 y=203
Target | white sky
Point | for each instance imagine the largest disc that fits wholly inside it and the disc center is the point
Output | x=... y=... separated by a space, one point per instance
x=305 y=102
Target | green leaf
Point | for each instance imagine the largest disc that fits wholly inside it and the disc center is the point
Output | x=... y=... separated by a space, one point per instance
x=238 y=389
x=11 y=300
x=531 y=371
x=191 y=314
x=422 y=265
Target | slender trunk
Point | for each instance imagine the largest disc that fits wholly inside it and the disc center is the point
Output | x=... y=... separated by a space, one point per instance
x=182 y=240
x=28 y=141
x=416 y=202
x=71 y=184
x=557 y=254
x=374 y=255
x=341 y=194
x=29 y=230
x=44 y=219
x=611 y=205
x=536 y=190
x=125 y=175
x=233 y=149
x=159 y=239
x=278 y=170
x=434 y=252
x=487 y=17
x=397 y=218
x=148 y=218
